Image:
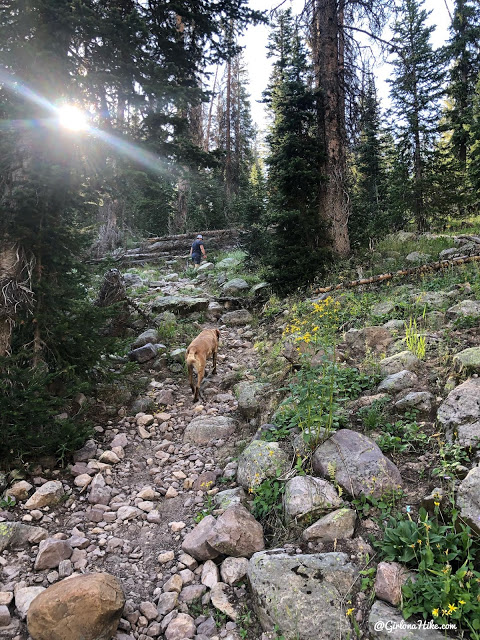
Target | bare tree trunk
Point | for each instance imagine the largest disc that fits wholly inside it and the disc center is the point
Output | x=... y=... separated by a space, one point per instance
x=328 y=49
x=228 y=139
x=206 y=145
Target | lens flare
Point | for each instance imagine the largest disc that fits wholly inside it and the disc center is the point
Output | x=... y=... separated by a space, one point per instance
x=72 y=118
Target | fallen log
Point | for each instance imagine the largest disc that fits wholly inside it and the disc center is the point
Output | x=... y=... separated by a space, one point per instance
x=401 y=273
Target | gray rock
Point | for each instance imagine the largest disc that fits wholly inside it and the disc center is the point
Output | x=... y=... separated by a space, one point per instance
x=132 y=280
x=196 y=543
x=463 y=309
x=337 y=525
x=250 y=398
x=220 y=600
x=16 y=535
x=235 y=286
x=24 y=598
x=259 y=288
x=230 y=498
x=206 y=266
x=398 y=381
x=229 y=262
x=399 y=362
x=5 y=617
x=181 y=305
x=358 y=464
x=389 y=580
x=51 y=552
x=455 y=252
x=142 y=404
x=144 y=354
x=236 y=318
x=100 y=493
x=459 y=413
x=435 y=319
x=468 y=499
x=233 y=569
x=261 y=460
x=214 y=311
x=167 y=602
x=417 y=256
x=395 y=325
x=468 y=360
x=236 y=533
x=375 y=339
x=420 y=400
x=180 y=628
x=88 y=451
x=387 y=623
x=148 y=336
x=383 y=308
x=204 y=429
x=305 y=496
x=432 y=299
x=302 y=595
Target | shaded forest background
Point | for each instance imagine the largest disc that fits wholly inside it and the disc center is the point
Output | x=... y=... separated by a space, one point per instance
x=165 y=155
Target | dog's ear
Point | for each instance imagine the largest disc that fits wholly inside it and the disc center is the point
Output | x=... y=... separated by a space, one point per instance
x=218 y=333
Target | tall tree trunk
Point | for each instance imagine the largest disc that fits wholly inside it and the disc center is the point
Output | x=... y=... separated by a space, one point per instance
x=206 y=145
x=228 y=137
x=328 y=50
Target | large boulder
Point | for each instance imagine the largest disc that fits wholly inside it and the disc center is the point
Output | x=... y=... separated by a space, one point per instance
x=235 y=286
x=398 y=381
x=150 y=335
x=302 y=596
x=237 y=533
x=459 y=413
x=259 y=461
x=357 y=464
x=468 y=499
x=305 y=496
x=16 y=534
x=468 y=360
x=86 y=607
x=421 y=401
x=203 y=429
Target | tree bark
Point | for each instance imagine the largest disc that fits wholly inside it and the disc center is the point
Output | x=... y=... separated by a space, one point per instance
x=328 y=47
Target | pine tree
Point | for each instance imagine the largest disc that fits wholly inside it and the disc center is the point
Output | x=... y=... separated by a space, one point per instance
x=295 y=254
x=416 y=87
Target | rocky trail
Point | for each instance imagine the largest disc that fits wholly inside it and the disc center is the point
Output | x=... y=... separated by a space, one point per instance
x=152 y=522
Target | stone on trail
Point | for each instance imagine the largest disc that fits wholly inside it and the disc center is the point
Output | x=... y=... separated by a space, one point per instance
x=145 y=353
x=261 y=460
x=399 y=362
x=398 y=381
x=387 y=623
x=389 y=580
x=229 y=498
x=87 y=607
x=24 y=598
x=359 y=465
x=5 y=617
x=48 y=495
x=235 y=286
x=302 y=594
x=180 y=628
x=306 y=495
x=468 y=360
x=250 y=398
x=19 y=490
x=100 y=493
x=16 y=534
x=51 y=552
x=421 y=401
x=237 y=533
x=196 y=543
x=219 y=599
x=233 y=569
x=459 y=414
x=465 y=308
x=236 y=318
x=468 y=499
x=148 y=336
x=338 y=525
x=210 y=575
x=203 y=429
x=375 y=339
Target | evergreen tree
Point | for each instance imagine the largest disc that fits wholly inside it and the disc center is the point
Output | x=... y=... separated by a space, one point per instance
x=416 y=87
x=368 y=217
x=295 y=253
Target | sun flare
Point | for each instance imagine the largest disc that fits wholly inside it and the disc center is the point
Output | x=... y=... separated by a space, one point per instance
x=72 y=118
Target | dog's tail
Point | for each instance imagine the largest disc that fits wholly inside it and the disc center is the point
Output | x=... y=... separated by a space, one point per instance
x=191 y=362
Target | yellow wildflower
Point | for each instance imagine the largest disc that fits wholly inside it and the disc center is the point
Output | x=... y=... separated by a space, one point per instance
x=461 y=602
x=452 y=608
x=350 y=611
x=435 y=613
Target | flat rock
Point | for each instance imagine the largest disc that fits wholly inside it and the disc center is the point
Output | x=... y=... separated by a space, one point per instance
x=236 y=318
x=203 y=429
x=235 y=286
x=338 y=525
x=260 y=460
x=180 y=305
x=306 y=495
x=87 y=607
x=230 y=497
x=422 y=401
x=465 y=308
x=459 y=413
x=302 y=595
x=210 y=575
x=359 y=465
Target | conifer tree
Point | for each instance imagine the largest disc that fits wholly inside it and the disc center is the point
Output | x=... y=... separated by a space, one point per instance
x=295 y=254
x=416 y=87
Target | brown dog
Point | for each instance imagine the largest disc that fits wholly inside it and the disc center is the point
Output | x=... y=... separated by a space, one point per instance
x=203 y=346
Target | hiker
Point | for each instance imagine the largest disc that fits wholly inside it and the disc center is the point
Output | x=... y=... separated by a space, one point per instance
x=197 y=251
